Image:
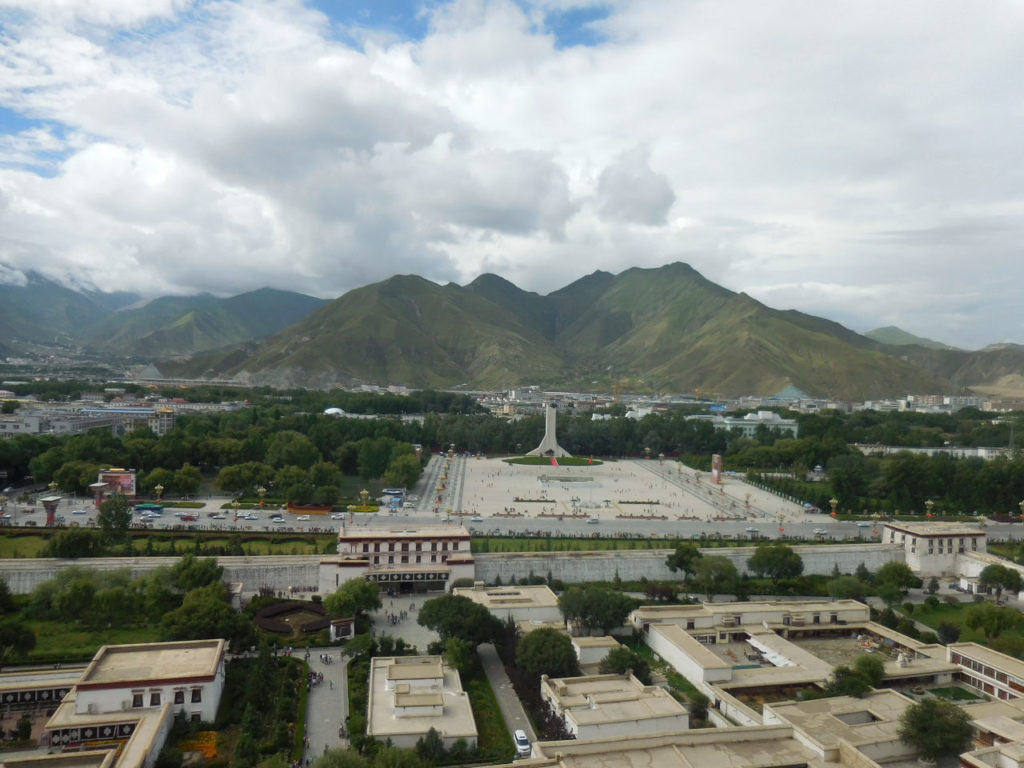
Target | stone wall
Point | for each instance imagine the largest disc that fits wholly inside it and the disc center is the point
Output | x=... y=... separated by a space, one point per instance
x=632 y=565
x=277 y=572
x=284 y=572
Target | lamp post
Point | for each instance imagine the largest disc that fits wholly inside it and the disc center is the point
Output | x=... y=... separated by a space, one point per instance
x=262 y=492
x=236 y=505
x=159 y=491
x=833 y=502
x=1019 y=504
x=929 y=505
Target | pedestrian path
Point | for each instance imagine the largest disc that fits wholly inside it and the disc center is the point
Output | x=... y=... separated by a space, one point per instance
x=327 y=701
x=508 y=701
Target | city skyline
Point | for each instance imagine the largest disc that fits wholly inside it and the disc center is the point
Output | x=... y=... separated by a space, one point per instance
x=856 y=163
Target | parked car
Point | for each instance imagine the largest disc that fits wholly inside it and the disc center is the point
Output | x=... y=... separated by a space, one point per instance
x=302 y=517
x=277 y=520
x=752 y=529
x=188 y=518
x=523 y=747
x=79 y=512
x=594 y=520
x=476 y=519
x=338 y=516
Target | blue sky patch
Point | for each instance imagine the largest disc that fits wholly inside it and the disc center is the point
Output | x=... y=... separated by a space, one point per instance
x=575 y=26
x=403 y=18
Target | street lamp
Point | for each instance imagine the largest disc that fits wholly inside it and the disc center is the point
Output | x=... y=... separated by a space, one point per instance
x=928 y=505
x=159 y=491
x=1019 y=504
x=262 y=492
x=833 y=502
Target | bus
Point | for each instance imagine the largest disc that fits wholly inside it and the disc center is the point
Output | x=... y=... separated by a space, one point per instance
x=156 y=509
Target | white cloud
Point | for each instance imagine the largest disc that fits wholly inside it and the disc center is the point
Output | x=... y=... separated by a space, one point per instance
x=853 y=161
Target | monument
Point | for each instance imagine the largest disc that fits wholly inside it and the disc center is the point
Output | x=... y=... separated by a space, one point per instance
x=549 y=446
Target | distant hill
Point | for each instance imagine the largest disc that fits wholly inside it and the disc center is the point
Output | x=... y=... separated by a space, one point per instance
x=897 y=337
x=664 y=329
x=43 y=312
x=184 y=325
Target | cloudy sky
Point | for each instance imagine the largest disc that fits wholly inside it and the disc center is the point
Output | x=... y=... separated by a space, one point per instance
x=857 y=160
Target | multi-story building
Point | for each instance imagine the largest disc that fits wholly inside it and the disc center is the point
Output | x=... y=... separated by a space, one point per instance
x=933 y=548
x=401 y=559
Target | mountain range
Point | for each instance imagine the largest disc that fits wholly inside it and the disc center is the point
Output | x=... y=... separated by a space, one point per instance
x=42 y=312
x=667 y=329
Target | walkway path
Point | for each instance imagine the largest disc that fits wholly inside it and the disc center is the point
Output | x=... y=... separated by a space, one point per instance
x=327 y=702
x=508 y=701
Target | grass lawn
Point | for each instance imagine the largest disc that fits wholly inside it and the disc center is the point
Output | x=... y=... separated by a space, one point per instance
x=59 y=641
x=954 y=614
x=956 y=694
x=493 y=739
x=25 y=545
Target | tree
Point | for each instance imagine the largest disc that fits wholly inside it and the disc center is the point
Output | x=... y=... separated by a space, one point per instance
x=341 y=758
x=936 y=727
x=398 y=757
x=684 y=559
x=933 y=585
x=593 y=607
x=847 y=682
x=16 y=640
x=403 y=471
x=871 y=668
x=622 y=659
x=846 y=588
x=115 y=516
x=192 y=572
x=73 y=543
x=715 y=575
x=991 y=619
x=546 y=651
x=206 y=613
x=458 y=616
x=890 y=593
x=776 y=561
x=1000 y=577
x=355 y=597
x=187 y=479
x=896 y=573
x=948 y=633
x=460 y=655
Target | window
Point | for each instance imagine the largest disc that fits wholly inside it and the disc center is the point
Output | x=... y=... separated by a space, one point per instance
x=391 y=559
x=136 y=699
x=444 y=546
x=376 y=559
x=197 y=695
x=366 y=547
x=196 y=717
x=154 y=698
x=405 y=546
x=455 y=545
x=419 y=546
x=433 y=558
x=433 y=546
x=405 y=558
x=418 y=558
x=179 y=697
x=376 y=547
x=391 y=547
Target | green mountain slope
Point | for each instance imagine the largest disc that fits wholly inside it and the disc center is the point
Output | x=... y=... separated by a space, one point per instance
x=183 y=325
x=44 y=312
x=897 y=337
x=408 y=330
x=670 y=328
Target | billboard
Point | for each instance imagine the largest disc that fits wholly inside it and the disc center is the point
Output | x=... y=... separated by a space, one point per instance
x=118 y=480
x=716 y=468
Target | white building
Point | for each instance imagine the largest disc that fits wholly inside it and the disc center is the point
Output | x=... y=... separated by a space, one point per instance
x=933 y=548
x=609 y=705
x=409 y=695
x=403 y=559
x=529 y=603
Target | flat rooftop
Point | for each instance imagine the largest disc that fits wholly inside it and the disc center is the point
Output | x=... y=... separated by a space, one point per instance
x=497 y=598
x=681 y=613
x=455 y=721
x=868 y=720
x=752 y=747
x=356 y=533
x=987 y=656
x=612 y=699
x=126 y=664
x=415 y=668
x=937 y=528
